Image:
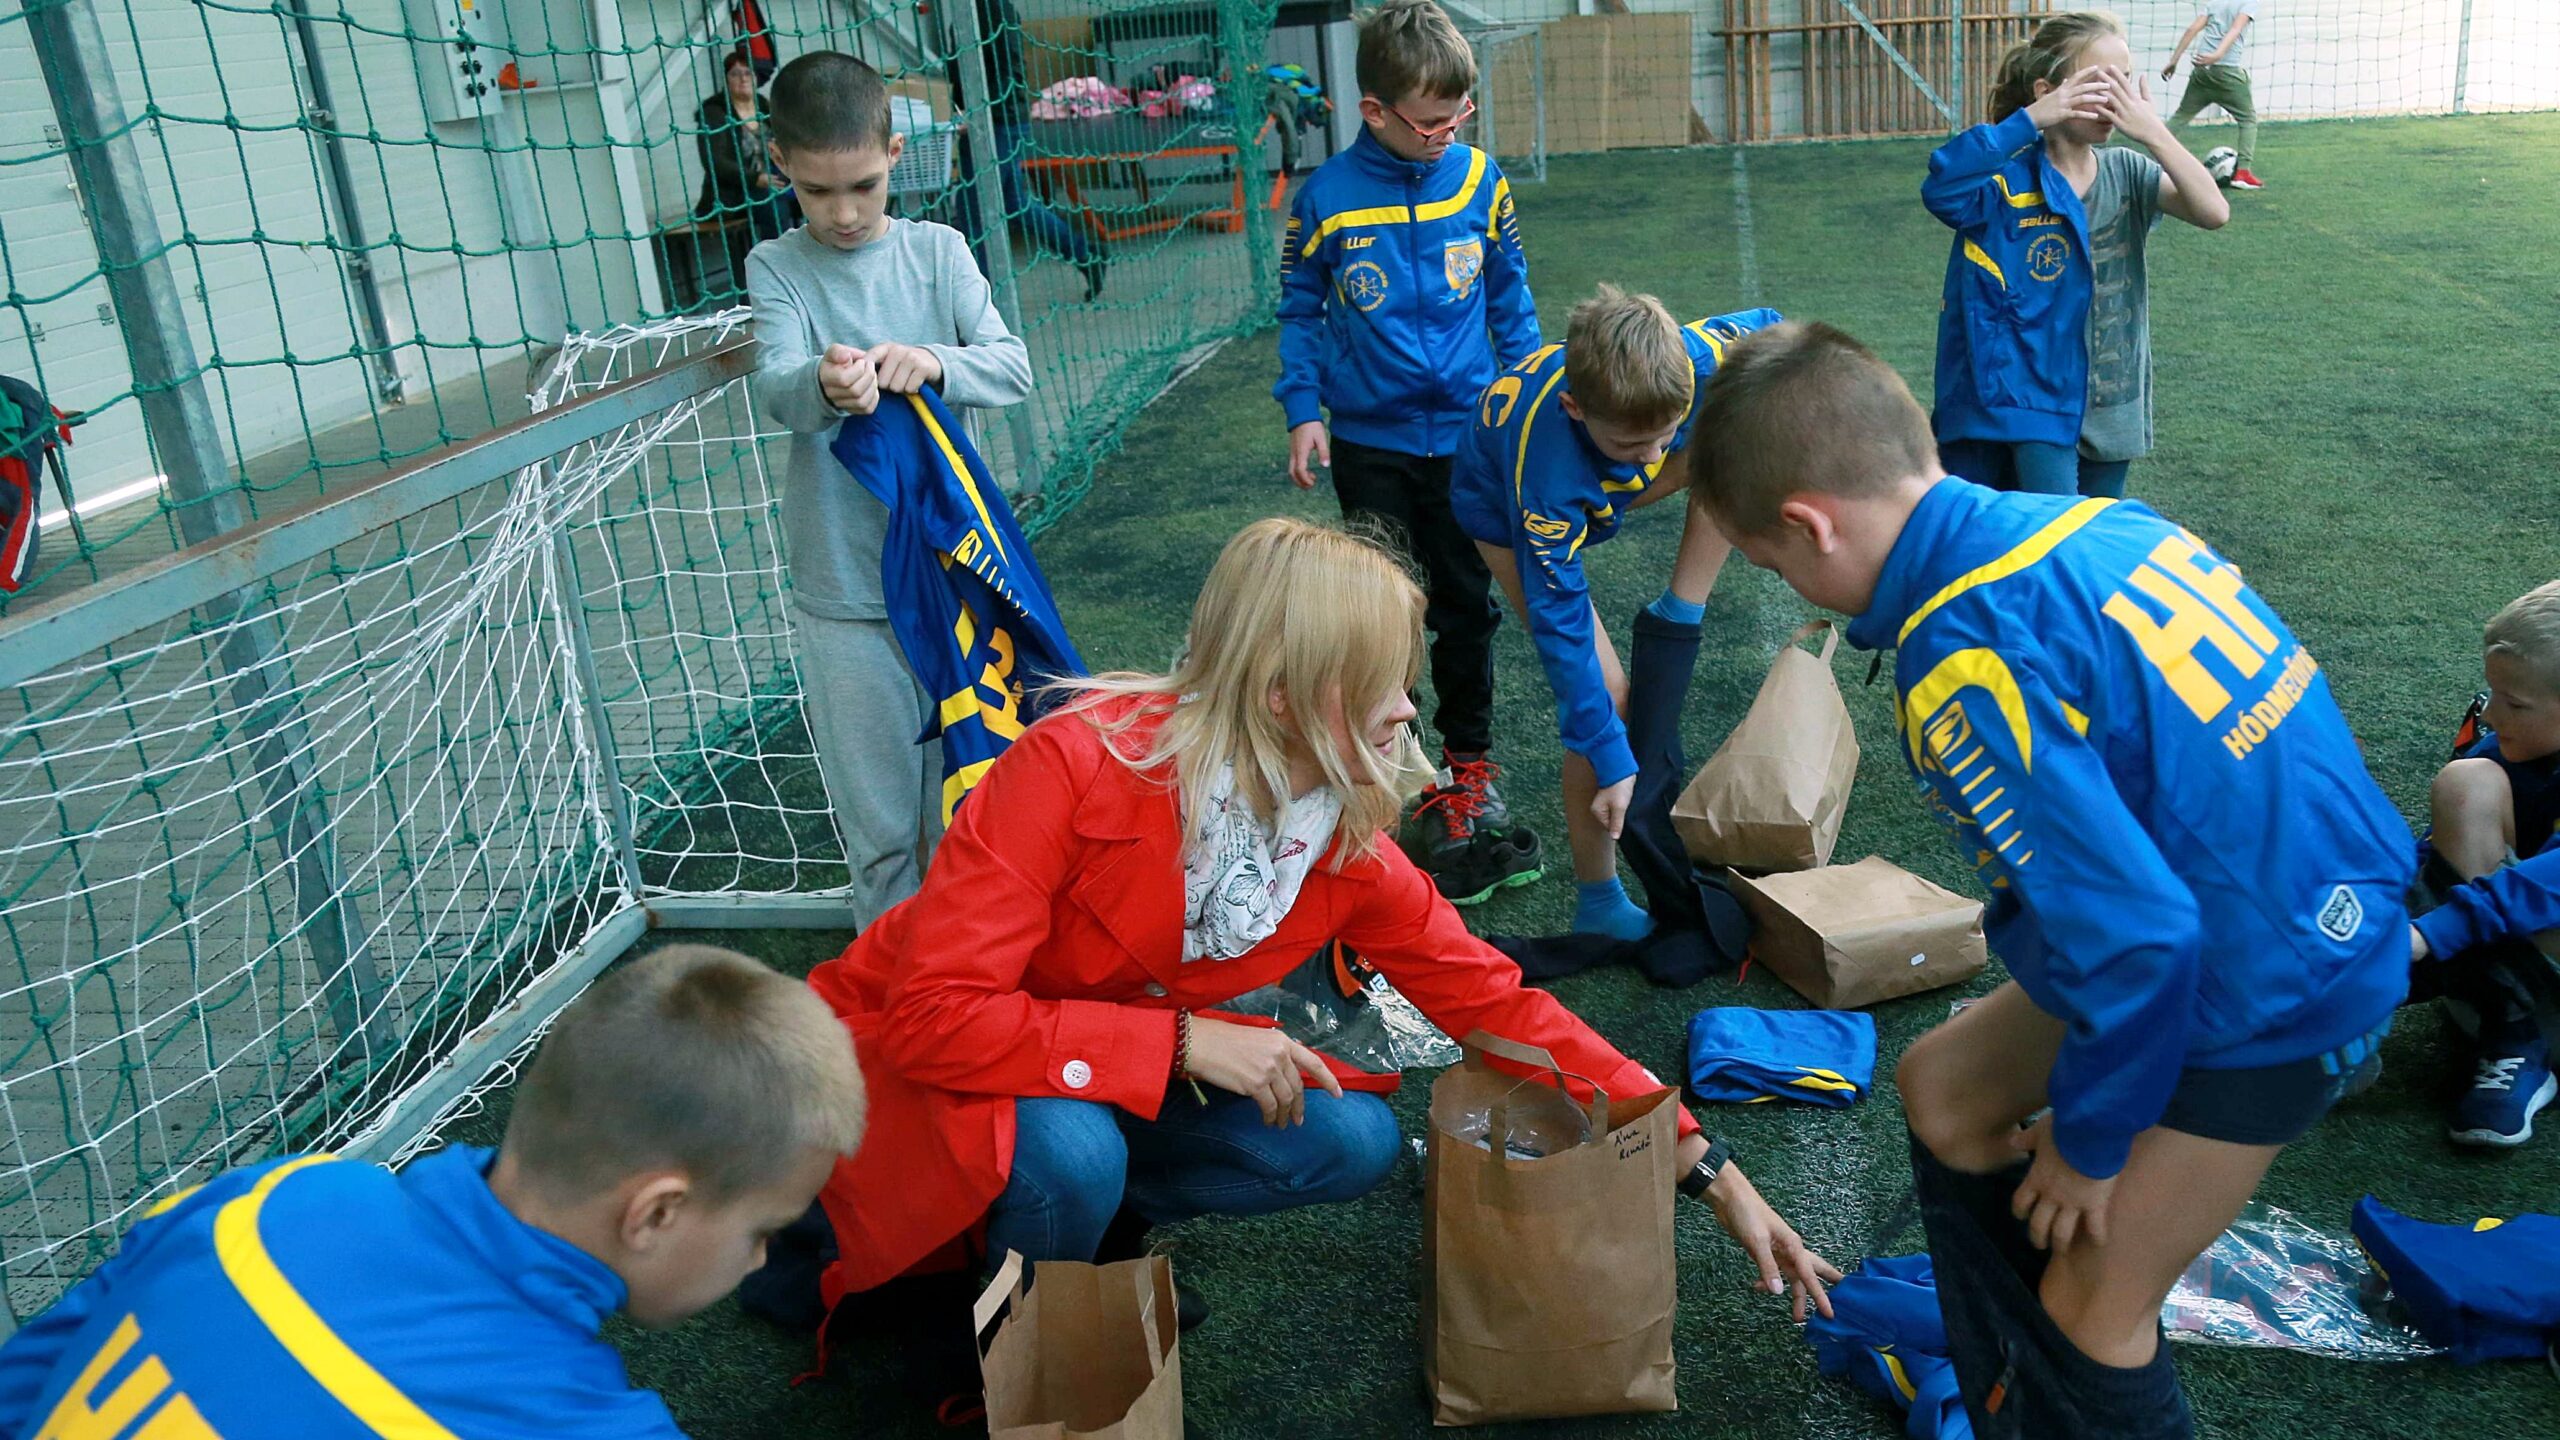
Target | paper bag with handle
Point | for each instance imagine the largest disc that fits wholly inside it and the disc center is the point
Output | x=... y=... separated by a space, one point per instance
x=1086 y=1352
x=1772 y=795
x=1547 y=1277
x=1852 y=935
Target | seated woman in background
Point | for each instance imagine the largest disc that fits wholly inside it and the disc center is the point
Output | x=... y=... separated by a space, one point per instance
x=742 y=192
x=1033 y=1022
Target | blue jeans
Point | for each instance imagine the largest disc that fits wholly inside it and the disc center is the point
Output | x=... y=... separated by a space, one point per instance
x=1075 y=1162
x=1044 y=227
x=2034 y=466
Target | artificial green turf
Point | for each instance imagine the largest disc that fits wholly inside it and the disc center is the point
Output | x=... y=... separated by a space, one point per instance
x=2355 y=402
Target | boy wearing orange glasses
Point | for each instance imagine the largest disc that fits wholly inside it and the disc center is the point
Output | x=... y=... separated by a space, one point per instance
x=1403 y=293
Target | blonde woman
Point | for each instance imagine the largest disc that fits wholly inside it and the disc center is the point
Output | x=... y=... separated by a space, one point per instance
x=1032 y=1023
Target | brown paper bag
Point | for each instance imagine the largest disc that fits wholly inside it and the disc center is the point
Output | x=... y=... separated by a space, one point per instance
x=1086 y=1351
x=1547 y=1282
x=1851 y=935
x=1772 y=795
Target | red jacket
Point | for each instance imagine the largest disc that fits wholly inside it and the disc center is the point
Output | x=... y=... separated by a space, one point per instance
x=1043 y=957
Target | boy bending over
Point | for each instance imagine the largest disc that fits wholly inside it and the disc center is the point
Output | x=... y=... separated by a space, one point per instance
x=2197 y=888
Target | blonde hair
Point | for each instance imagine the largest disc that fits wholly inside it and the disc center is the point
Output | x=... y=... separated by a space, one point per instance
x=2047 y=55
x=2527 y=631
x=1410 y=49
x=1315 y=615
x=692 y=1059
x=1625 y=363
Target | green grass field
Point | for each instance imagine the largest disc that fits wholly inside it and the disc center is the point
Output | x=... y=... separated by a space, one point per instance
x=2356 y=403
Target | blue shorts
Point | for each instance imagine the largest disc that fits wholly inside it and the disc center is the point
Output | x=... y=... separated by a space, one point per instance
x=2273 y=1104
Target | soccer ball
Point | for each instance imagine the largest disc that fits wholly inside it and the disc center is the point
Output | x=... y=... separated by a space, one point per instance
x=2222 y=164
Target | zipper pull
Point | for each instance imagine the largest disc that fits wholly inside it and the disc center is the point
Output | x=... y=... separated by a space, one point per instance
x=1875 y=667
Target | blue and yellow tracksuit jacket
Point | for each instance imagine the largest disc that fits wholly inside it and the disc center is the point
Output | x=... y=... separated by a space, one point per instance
x=2188 y=864
x=2517 y=902
x=1529 y=479
x=970 y=607
x=324 y=1298
x=2013 y=320
x=1402 y=292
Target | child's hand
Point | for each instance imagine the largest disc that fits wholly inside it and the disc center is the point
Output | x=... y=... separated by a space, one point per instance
x=2170 y=70
x=1309 y=447
x=2417 y=945
x=2129 y=106
x=2059 y=1204
x=906 y=369
x=1609 y=807
x=2081 y=97
x=847 y=379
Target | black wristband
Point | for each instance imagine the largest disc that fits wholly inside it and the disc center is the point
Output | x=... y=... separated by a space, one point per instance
x=1704 y=1173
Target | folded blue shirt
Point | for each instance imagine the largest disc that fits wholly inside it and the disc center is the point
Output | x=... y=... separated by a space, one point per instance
x=1886 y=1336
x=1747 y=1056
x=2485 y=1291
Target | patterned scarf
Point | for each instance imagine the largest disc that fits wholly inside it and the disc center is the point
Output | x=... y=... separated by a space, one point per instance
x=1238 y=878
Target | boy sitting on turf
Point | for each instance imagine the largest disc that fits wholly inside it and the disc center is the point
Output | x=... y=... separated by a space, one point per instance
x=2499 y=800
x=681 y=1111
x=1564 y=444
x=1403 y=292
x=853 y=303
x=2197 y=888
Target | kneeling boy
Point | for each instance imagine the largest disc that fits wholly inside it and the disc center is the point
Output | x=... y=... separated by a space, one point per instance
x=2499 y=800
x=684 y=1109
x=2197 y=887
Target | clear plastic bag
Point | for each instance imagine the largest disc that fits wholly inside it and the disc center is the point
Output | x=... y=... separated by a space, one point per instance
x=2273 y=1282
x=1540 y=1123
x=1337 y=1004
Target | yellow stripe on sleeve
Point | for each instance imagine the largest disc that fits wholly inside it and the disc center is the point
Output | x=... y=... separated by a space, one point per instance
x=374 y=1401
x=1974 y=253
x=2027 y=552
x=960 y=472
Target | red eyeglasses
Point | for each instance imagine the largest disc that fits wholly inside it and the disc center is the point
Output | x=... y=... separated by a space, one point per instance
x=1448 y=131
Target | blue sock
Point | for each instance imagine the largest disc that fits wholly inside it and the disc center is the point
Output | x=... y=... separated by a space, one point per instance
x=1671 y=607
x=1601 y=907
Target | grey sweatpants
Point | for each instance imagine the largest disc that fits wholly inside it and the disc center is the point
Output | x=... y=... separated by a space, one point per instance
x=865 y=710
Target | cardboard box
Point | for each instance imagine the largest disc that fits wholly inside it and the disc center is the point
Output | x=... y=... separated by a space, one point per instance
x=930 y=89
x=1851 y=935
x=1578 y=88
x=1648 y=81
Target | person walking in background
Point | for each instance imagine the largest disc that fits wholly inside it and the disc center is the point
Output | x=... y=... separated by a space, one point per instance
x=2219 y=34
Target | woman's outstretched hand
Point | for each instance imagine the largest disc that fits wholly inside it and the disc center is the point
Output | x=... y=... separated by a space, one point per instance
x=1773 y=1245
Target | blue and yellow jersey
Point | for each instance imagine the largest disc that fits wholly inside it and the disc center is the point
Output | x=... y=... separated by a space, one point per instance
x=1403 y=290
x=1530 y=479
x=2188 y=864
x=970 y=607
x=323 y=1298
x=2013 y=317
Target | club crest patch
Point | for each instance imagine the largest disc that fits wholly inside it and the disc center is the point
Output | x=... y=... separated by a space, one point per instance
x=1462 y=261
x=1364 y=284
x=2048 y=256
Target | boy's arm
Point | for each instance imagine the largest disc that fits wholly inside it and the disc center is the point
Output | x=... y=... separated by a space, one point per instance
x=1546 y=541
x=1959 y=189
x=1306 y=279
x=990 y=367
x=1511 y=317
x=785 y=386
x=2230 y=37
x=2120 y=929
x=2195 y=28
x=2523 y=899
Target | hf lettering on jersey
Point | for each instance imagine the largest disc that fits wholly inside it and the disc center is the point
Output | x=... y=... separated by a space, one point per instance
x=2192 y=605
x=91 y=1409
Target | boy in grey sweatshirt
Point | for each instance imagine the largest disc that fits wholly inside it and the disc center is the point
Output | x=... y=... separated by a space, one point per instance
x=852 y=305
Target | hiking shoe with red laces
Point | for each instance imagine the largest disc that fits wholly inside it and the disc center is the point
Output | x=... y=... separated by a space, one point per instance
x=2243 y=180
x=1462 y=836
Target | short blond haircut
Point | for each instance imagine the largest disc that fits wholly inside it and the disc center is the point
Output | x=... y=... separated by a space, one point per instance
x=692 y=1059
x=2527 y=631
x=1316 y=614
x=1801 y=407
x=1625 y=362
x=1411 y=50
